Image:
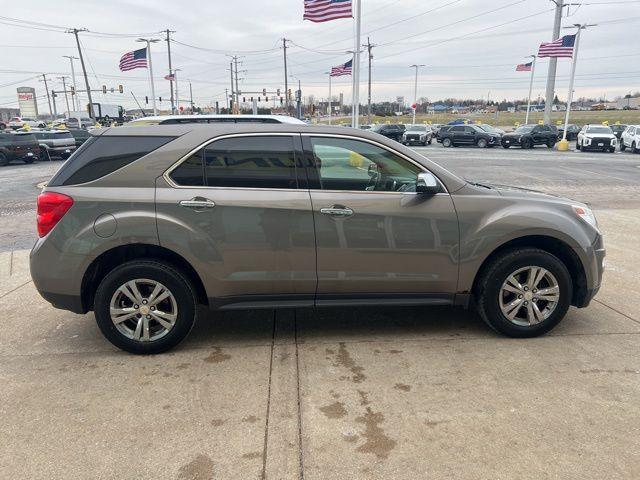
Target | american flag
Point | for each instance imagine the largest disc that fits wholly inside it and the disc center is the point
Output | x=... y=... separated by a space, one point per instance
x=171 y=76
x=135 y=59
x=524 y=67
x=325 y=10
x=344 y=69
x=562 y=47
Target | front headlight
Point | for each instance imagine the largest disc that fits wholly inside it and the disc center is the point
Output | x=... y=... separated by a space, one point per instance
x=586 y=141
x=586 y=214
x=423 y=136
x=613 y=141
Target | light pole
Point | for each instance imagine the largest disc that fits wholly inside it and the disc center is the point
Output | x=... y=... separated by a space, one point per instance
x=149 y=41
x=175 y=80
x=74 y=98
x=415 y=91
x=329 y=73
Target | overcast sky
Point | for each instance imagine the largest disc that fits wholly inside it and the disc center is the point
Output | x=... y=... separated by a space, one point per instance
x=470 y=47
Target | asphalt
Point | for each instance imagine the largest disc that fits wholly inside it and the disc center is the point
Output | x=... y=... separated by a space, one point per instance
x=401 y=393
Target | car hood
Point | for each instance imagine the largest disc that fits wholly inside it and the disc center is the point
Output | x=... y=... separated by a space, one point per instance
x=511 y=191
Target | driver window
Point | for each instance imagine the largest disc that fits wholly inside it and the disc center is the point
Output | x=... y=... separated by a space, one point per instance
x=360 y=166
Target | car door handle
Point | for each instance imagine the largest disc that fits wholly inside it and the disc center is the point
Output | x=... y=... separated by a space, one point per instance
x=198 y=203
x=337 y=211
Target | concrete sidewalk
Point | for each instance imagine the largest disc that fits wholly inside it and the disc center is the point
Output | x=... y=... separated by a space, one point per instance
x=401 y=393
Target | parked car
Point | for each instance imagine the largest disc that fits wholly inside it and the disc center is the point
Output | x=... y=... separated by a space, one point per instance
x=83 y=122
x=631 y=139
x=3 y=125
x=20 y=122
x=572 y=131
x=417 y=134
x=490 y=128
x=55 y=143
x=596 y=137
x=80 y=135
x=393 y=131
x=18 y=146
x=225 y=216
x=464 y=135
x=617 y=130
x=460 y=121
x=528 y=136
x=179 y=119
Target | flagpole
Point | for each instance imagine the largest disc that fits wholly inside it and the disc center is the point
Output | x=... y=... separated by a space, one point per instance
x=329 y=96
x=356 y=68
x=533 y=69
x=573 y=74
x=153 y=88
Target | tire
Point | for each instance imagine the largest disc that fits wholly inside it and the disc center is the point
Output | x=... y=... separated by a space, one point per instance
x=430 y=140
x=526 y=143
x=446 y=142
x=481 y=143
x=44 y=155
x=182 y=305
x=489 y=292
x=551 y=143
x=622 y=146
x=28 y=160
x=578 y=147
x=612 y=150
x=4 y=161
x=633 y=148
x=506 y=146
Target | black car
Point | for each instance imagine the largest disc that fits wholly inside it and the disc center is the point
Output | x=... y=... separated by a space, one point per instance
x=18 y=146
x=80 y=135
x=459 y=135
x=618 y=129
x=393 y=131
x=572 y=131
x=528 y=136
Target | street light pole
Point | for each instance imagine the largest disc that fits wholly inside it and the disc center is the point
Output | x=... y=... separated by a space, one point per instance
x=553 y=62
x=149 y=41
x=74 y=97
x=415 y=91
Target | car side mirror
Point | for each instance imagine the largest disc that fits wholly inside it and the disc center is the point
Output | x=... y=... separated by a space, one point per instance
x=427 y=183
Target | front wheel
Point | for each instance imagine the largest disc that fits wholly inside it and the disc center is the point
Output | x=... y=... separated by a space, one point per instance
x=524 y=292
x=447 y=142
x=44 y=155
x=506 y=146
x=633 y=148
x=612 y=149
x=622 y=146
x=551 y=143
x=145 y=307
x=526 y=143
x=481 y=143
x=578 y=147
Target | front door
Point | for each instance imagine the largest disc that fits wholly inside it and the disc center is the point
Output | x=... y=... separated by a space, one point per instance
x=235 y=211
x=375 y=235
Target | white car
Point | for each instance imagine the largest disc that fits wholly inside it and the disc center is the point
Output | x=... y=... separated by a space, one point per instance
x=631 y=139
x=19 y=122
x=596 y=137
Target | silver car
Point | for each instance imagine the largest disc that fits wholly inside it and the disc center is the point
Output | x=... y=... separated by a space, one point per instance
x=142 y=224
x=55 y=143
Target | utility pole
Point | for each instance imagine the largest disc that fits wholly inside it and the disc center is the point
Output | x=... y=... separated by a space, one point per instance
x=75 y=31
x=64 y=87
x=369 y=47
x=191 y=96
x=175 y=79
x=553 y=62
x=415 y=92
x=233 y=100
x=74 y=98
x=286 y=81
x=226 y=96
x=235 y=63
x=44 y=78
x=356 y=67
x=149 y=41
x=173 y=105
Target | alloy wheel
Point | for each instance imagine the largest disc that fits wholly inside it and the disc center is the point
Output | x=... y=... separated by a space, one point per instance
x=529 y=296
x=143 y=310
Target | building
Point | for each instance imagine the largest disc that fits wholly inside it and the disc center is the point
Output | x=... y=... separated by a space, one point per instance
x=7 y=113
x=628 y=103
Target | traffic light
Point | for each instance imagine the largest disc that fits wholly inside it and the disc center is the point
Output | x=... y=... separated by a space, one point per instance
x=104 y=89
x=251 y=99
x=120 y=89
x=73 y=90
x=264 y=92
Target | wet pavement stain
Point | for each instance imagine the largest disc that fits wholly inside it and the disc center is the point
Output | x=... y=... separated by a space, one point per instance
x=217 y=422
x=250 y=419
x=344 y=359
x=252 y=455
x=200 y=468
x=395 y=351
x=334 y=410
x=217 y=356
x=364 y=398
x=183 y=366
x=402 y=386
x=377 y=442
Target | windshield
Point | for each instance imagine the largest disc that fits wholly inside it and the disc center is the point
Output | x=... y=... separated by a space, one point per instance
x=486 y=128
x=599 y=130
x=524 y=129
x=417 y=128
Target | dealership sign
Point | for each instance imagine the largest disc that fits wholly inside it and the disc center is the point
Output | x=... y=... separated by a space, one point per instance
x=27 y=102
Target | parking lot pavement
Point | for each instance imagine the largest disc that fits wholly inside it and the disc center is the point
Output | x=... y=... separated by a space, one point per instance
x=399 y=393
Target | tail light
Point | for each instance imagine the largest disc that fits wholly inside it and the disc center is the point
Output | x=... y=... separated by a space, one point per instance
x=51 y=208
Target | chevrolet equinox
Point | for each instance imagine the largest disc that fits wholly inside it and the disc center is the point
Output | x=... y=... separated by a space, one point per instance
x=144 y=223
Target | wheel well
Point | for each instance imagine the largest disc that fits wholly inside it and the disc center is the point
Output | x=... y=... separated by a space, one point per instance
x=108 y=260
x=556 y=247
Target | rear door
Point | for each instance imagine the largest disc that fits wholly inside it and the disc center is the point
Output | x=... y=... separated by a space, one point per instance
x=237 y=208
x=375 y=236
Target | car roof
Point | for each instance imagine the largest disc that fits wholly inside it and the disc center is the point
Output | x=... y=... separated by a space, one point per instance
x=160 y=118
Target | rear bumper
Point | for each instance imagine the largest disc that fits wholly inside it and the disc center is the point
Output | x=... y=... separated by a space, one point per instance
x=72 y=303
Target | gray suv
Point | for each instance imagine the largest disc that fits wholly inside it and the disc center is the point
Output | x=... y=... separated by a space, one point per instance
x=142 y=224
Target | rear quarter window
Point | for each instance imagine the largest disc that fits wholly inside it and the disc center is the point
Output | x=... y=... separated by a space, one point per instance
x=100 y=156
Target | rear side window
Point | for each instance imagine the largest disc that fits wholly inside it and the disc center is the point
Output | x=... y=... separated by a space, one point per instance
x=241 y=162
x=102 y=155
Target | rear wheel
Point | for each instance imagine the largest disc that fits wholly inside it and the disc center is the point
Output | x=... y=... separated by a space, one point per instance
x=524 y=292
x=526 y=143
x=3 y=160
x=145 y=307
x=28 y=160
x=482 y=143
x=622 y=146
x=633 y=148
x=505 y=146
x=447 y=142
x=551 y=143
x=612 y=149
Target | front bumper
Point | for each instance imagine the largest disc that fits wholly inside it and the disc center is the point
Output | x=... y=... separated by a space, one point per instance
x=594 y=271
